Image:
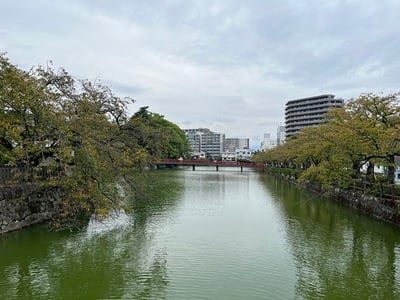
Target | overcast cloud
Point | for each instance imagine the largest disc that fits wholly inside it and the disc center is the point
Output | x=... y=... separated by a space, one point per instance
x=226 y=65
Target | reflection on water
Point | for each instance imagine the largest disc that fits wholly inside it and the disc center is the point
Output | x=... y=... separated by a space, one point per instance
x=112 y=258
x=84 y=266
x=209 y=235
x=338 y=253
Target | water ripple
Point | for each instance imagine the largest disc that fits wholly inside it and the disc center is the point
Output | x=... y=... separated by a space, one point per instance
x=114 y=220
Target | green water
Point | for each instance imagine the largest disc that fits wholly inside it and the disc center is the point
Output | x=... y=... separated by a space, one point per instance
x=210 y=235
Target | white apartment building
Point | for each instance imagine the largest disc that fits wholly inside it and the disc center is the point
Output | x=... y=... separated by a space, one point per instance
x=203 y=140
x=238 y=154
x=244 y=154
x=228 y=156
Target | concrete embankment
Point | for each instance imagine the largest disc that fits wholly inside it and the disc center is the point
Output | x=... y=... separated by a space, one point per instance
x=27 y=204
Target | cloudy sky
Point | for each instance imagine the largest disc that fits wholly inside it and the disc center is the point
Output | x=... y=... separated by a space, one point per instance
x=227 y=65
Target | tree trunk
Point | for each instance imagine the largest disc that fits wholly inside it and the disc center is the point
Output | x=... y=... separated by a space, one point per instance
x=370 y=172
x=356 y=169
x=390 y=171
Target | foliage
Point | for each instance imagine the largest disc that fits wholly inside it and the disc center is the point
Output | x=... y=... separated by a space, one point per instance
x=82 y=129
x=365 y=132
x=160 y=138
x=296 y=173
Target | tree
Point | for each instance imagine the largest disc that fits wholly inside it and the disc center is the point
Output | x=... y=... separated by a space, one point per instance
x=82 y=130
x=372 y=123
x=160 y=137
x=365 y=131
x=26 y=117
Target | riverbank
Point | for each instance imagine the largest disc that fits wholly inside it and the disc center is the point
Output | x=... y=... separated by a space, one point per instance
x=384 y=209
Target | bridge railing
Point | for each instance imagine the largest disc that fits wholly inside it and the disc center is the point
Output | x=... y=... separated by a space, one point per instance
x=200 y=162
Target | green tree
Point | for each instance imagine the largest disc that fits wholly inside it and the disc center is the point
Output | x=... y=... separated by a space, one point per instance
x=325 y=160
x=160 y=137
x=80 y=128
x=365 y=131
x=369 y=127
x=27 y=117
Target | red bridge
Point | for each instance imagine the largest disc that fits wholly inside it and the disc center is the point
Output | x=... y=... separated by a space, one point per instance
x=200 y=162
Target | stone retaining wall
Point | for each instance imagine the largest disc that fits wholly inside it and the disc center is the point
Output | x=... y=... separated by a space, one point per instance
x=27 y=204
x=379 y=208
x=382 y=209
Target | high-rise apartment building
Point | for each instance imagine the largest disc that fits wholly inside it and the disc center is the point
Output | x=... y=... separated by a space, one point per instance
x=304 y=112
x=203 y=140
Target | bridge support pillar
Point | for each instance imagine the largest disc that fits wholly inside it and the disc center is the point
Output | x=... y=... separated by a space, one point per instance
x=217 y=167
x=193 y=168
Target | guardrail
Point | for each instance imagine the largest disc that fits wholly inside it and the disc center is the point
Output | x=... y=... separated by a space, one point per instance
x=201 y=162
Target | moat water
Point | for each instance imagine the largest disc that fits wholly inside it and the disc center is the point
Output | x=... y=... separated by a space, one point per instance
x=210 y=235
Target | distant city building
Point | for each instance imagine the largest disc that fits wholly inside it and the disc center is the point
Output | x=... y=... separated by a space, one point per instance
x=238 y=154
x=198 y=154
x=280 y=135
x=304 y=112
x=194 y=138
x=244 y=154
x=228 y=156
x=205 y=142
x=231 y=144
x=267 y=142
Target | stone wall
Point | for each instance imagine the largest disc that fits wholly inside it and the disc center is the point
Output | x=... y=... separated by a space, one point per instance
x=27 y=204
x=379 y=208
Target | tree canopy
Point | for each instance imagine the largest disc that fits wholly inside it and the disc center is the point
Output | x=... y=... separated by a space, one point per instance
x=82 y=130
x=366 y=131
x=160 y=137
